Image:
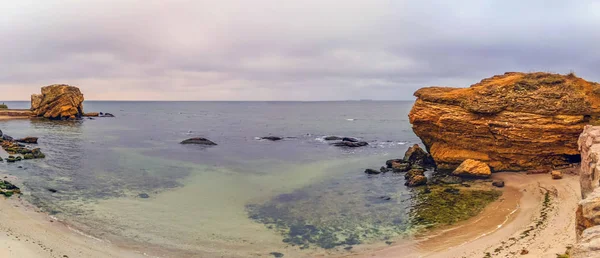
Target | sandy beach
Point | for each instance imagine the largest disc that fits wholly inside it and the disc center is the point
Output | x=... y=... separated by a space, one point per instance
x=518 y=221
x=503 y=229
x=27 y=232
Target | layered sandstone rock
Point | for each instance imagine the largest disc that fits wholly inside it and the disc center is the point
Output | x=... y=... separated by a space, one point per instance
x=58 y=101
x=588 y=211
x=512 y=122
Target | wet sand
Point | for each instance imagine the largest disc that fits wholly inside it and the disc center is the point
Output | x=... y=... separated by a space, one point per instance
x=518 y=221
x=26 y=232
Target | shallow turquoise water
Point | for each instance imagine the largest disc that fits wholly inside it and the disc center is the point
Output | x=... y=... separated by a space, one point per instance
x=239 y=198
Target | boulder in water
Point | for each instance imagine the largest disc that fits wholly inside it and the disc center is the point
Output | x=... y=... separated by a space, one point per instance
x=198 y=140
x=372 y=171
x=59 y=102
x=350 y=144
x=272 y=138
x=417 y=180
x=30 y=140
x=350 y=139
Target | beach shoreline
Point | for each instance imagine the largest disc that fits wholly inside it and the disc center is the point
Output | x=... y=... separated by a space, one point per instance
x=504 y=228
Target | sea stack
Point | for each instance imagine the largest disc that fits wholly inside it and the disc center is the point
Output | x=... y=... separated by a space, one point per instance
x=512 y=122
x=58 y=102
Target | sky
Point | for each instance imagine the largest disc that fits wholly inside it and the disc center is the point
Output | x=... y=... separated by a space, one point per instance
x=286 y=50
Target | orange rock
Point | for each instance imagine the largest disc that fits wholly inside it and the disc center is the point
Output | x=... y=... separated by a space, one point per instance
x=556 y=174
x=512 y=122
x=58 y=101
x=472 y=168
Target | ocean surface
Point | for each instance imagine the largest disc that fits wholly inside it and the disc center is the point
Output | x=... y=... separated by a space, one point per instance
x=245 y=197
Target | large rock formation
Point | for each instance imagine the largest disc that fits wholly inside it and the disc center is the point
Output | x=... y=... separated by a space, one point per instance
x=588 y=211
x=515 y=121
x=58 y=101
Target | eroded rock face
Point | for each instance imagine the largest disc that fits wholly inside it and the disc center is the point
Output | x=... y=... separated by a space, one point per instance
x=588 y=211
x=512 y=122
x=58 y=101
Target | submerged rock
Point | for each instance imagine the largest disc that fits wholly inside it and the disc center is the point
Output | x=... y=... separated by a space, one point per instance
x=501 y=120
x=372 y=171
x=198 y=140
x=350 y=139
x=272 y=138
x=31 y=140
x=416 y=180
x=58 y=101
x=144 y=195
x=447 y=179
x=332 y=138
x=350 y=144
x=473 y=168
x=106 y=115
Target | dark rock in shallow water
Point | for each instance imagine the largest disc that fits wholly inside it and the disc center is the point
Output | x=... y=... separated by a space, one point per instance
x=144 y=195
x=105 y=115
x=52 y=190
x=349 y=139
x=332 y=138
x=272 y=138
x=414 y=172
x=384 y=169
x=398 y=167
x=28 y=140
x=350 y=144
x=0 y=133
x=372 y=171
x=498 y=183
x=417 y=156
x=201 y=141
x=390 y=162
x=447 y=180
x=416 y=180
x=277 y=254
x=452 y=190
x=7 y=138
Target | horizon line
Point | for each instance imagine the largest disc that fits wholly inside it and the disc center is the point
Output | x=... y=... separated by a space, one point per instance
x=349 y=100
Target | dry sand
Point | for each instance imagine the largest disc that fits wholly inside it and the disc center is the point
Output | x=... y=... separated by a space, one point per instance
x=506 y=227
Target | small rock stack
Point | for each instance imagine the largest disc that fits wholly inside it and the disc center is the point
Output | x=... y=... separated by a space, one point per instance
x=58 y=102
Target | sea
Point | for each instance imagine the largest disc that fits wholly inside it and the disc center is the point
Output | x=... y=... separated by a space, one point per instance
x=128 y=179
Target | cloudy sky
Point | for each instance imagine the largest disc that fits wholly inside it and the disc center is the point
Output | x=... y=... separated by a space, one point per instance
x=286 y=50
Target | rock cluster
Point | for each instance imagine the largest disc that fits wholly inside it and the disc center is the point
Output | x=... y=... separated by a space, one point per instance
x=58 y=102
x=346 y=142
x=512 y=122
x=13 y=147
x=414 y=163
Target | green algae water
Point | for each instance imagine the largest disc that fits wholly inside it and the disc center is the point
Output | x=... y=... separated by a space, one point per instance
x=245 y=197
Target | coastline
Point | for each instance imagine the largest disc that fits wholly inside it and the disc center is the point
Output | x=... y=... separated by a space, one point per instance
x=504 y=228
x=32 y=233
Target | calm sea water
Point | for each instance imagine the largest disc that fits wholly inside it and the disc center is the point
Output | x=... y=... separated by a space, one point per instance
x=242 y=198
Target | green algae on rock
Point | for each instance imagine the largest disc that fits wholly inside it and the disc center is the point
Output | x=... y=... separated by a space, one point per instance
x=441 y=205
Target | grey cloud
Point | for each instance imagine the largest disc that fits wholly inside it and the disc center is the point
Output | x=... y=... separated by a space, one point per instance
x=285 y=50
